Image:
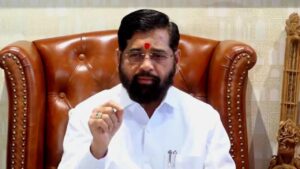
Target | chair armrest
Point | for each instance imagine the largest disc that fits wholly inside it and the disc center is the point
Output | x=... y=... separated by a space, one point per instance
x=227 y=85
x=24 y=77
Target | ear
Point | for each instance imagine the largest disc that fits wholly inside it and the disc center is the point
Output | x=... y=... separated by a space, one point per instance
x=177 y=55
x=118 y=55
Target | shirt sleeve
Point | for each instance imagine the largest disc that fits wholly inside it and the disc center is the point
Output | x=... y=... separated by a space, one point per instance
x=76 y=145
x=218 y=156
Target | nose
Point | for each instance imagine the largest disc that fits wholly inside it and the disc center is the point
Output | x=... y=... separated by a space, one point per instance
x=147 y=64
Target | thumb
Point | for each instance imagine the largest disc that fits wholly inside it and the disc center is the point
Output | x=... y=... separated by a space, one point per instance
x=120 y=114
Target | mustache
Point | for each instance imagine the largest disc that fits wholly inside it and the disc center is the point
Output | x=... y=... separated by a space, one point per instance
x=146 y=74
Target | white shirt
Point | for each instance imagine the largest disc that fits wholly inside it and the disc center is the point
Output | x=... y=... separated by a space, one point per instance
x=181 y=123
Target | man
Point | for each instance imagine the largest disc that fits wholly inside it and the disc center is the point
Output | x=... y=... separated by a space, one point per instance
x=145 y=122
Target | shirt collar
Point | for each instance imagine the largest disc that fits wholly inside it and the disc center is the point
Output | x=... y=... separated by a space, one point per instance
x=170 y=98
x=123 y=97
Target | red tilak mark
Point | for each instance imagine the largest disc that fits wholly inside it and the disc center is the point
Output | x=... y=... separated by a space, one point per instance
x=147 y=45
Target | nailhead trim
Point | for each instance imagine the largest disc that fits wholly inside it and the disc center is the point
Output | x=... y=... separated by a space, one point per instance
x=19 y=110
x=238 y=105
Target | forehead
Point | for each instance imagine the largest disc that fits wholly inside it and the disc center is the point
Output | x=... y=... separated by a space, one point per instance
x=157 y=38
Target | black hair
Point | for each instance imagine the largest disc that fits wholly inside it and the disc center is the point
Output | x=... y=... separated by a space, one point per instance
x=145 y=20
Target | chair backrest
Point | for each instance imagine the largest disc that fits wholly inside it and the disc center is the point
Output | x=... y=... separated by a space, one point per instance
x=48 y=77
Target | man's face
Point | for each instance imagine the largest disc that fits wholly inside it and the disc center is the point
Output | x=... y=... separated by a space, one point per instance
x=147 y=66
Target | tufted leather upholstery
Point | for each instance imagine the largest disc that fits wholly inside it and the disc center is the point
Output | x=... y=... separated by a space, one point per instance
x=47 y=77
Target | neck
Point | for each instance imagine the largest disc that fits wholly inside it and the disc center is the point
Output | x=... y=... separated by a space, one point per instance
x=150 y=107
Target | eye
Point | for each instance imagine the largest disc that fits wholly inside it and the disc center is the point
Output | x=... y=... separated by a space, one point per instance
x=159 y=56
x=135 y=56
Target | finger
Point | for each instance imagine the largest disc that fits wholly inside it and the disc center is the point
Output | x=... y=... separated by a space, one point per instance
x=100 y=113
x=108 y=121
x=96 y=113
x=113 y=106
x=109 y=110
x=119 y=110
x=107 y=115
x=119 y=115
x=106 y=108
x=98 y=123
x=114 y=119
x=116 y=122
x=103 y=125
x=94 y=125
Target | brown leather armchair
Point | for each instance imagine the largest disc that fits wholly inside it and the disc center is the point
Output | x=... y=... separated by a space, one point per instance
x=46 y=78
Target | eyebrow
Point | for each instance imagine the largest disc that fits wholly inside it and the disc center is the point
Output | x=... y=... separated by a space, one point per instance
x=135 y=50
x=158 y=50
x=151 y=50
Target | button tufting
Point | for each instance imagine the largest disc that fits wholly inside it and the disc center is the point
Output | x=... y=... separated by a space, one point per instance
x=62 y=94
x=81 y=56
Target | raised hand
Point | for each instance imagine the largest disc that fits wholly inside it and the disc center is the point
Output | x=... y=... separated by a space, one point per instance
x=104 y=122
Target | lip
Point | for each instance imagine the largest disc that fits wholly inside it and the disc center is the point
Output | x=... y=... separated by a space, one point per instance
x=145 y=80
